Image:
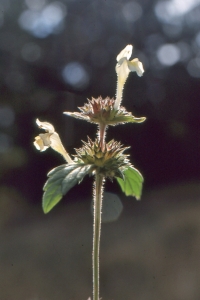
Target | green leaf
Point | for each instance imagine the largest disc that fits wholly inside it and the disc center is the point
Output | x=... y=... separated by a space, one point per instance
x=61 y=180
x=75 y=176
x=132 y=183
x=126 y=119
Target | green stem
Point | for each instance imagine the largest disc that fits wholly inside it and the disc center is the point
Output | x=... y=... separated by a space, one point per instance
x=96 y=233
x=102 y=134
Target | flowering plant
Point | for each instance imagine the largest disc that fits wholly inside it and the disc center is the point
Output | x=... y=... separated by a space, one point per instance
x=99 y=158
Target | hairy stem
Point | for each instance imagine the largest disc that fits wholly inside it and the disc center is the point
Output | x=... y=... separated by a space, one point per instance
x=119 y=93
x=96 y=233
x=102 y=134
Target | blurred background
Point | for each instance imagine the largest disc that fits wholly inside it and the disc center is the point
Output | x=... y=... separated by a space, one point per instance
x=53 y=56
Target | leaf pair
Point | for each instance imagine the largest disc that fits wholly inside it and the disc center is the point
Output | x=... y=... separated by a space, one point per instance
x=61 y=180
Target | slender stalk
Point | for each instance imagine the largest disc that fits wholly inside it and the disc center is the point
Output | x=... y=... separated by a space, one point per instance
x=98 y=187
x=119 y=93
x=102 y=134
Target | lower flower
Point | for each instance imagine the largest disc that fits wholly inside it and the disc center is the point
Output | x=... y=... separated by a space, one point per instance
x=110 y=162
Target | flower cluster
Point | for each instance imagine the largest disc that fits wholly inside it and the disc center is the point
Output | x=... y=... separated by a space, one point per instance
x=102 y=111
x=110 y=162
x=108 y=111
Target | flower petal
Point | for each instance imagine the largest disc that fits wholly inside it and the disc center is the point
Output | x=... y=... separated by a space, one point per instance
x=45 y=137
x=40 y=143
x=57 y=145
x=122 y=71
x=50 y=139
x=136 y=66
x=125 y=53
x=46 y=126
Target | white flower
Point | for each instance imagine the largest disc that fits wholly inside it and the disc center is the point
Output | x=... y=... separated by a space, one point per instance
x=50 y=139
x=123 y=68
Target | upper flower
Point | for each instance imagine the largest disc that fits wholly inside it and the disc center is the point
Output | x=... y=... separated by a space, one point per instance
x=50 y=139
x=101 y=111
x=123 y=68
x=123 y=59
x=108 y=111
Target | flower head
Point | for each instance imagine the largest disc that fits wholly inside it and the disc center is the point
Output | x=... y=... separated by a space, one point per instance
x=50 y=139
x=109 y=162
x=123 y=68
x=101 y=111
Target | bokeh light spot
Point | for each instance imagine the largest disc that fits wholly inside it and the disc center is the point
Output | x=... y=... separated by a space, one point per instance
x=162 y=11
x=168 y=11
x=35 y=4
x=132 y=11
x=45 y=22
x=7 y=116
x=28 y=20
x=53 y=14
x=112 y=207
x=168 y=54
x=76 y=75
